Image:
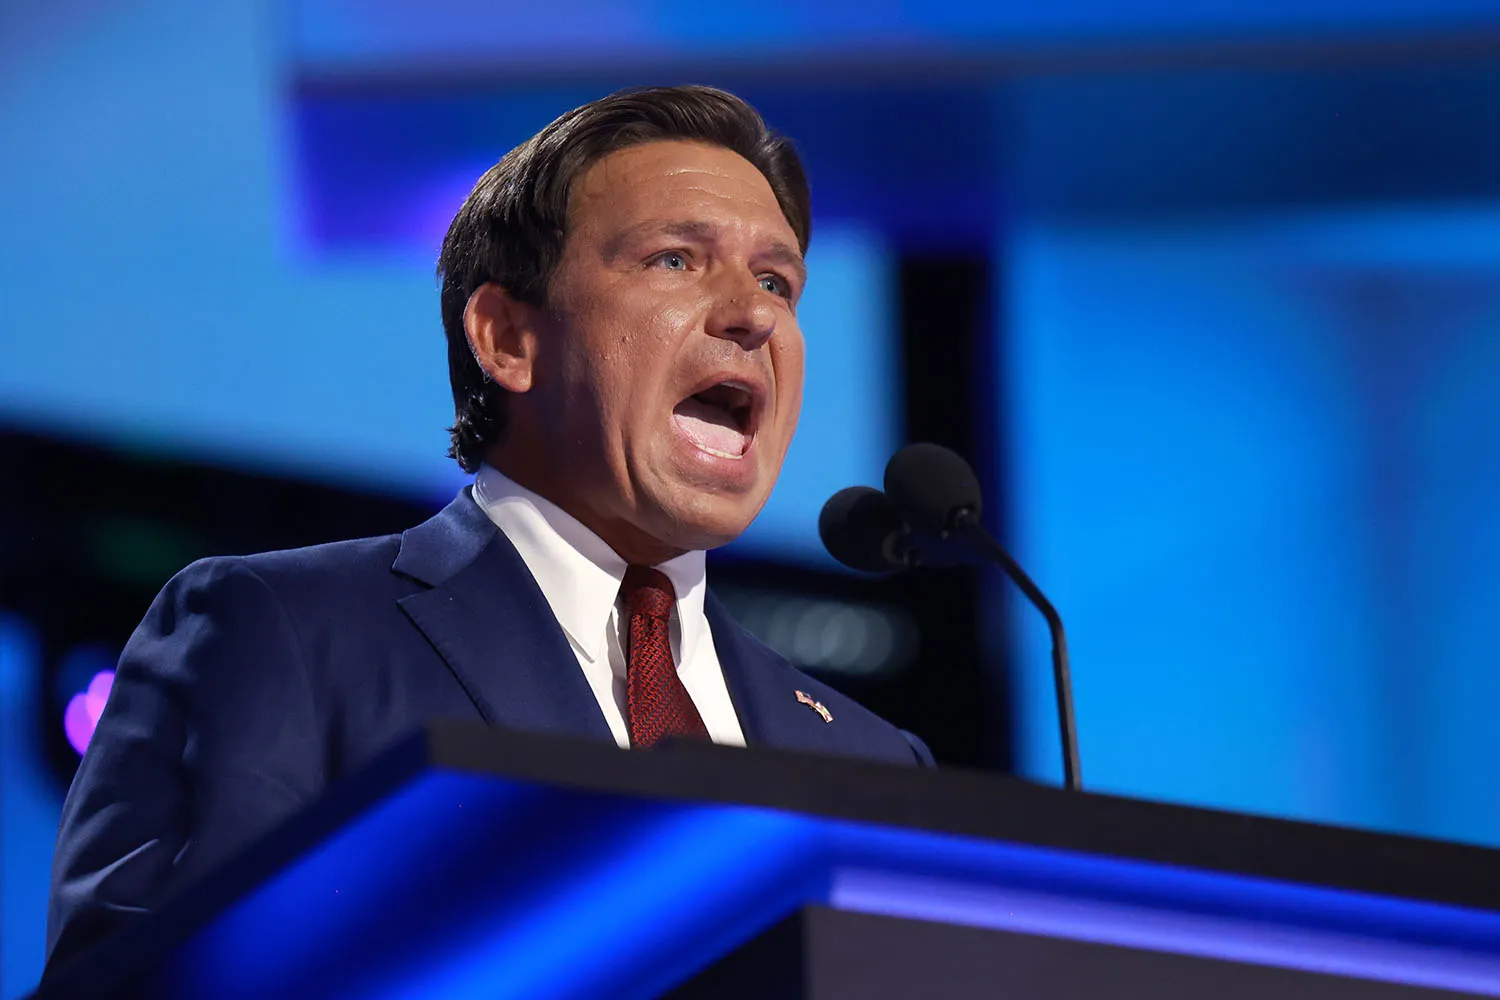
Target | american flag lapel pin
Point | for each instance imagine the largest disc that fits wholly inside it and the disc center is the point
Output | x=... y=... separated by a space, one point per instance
x=815 y=705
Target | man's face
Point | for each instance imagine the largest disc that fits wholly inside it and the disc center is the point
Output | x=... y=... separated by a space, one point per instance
x=668 y=362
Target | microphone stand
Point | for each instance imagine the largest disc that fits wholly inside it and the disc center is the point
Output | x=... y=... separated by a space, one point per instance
x=965 y=524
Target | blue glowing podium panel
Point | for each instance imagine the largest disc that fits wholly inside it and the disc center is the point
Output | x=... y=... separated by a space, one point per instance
x=471 y=863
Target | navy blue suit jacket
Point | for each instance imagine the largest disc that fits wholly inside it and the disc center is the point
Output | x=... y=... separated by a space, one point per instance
x=253 y=682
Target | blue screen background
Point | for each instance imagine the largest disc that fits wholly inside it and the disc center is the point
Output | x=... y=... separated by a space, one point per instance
x=1257 y=467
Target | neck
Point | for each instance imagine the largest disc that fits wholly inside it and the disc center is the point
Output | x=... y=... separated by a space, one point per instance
x=629 y=542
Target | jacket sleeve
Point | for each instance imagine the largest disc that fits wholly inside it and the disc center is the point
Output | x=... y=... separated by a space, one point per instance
x=919 y=749
x=211 y=734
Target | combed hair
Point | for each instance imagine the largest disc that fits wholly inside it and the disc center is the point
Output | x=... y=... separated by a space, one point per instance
x=511 y=228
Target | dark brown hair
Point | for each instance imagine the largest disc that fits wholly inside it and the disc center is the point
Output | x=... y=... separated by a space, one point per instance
x=511 y=228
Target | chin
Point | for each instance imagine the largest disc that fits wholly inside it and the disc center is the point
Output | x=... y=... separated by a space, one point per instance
x=706 y=521
x=698 y=502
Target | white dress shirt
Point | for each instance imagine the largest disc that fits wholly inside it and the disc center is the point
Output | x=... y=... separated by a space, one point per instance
x=580 y=575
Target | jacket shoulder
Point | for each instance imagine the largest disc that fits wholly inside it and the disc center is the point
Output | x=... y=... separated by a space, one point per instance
x=320 y=570
x=356 y=555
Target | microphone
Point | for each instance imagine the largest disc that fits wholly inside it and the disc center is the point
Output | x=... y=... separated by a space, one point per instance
x=938 y=493
x=932 y=487
x=860 y=528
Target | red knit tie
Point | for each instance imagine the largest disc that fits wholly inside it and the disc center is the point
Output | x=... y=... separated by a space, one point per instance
x=659 y=705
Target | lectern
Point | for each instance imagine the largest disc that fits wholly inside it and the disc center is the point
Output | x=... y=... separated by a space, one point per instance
x=474 y=863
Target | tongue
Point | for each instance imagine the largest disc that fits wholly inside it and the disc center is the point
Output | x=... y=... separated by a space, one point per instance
x=710 y=427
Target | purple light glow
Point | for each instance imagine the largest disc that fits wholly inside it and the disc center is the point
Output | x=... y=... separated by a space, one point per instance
x=84 y=709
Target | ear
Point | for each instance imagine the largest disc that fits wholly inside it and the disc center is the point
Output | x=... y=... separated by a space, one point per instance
x=502 y=336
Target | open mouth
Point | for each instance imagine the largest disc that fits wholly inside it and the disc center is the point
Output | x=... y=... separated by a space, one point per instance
x=719 y=419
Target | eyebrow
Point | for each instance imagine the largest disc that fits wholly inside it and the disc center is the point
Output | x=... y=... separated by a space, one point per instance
x=788 y=257
x=777 y=250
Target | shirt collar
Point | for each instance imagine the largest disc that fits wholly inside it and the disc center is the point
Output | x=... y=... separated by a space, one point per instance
x=577 y=571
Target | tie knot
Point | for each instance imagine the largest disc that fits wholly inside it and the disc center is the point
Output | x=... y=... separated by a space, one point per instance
x=648 y=592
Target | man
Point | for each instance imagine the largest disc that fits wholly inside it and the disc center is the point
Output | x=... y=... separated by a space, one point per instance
x=620 y=301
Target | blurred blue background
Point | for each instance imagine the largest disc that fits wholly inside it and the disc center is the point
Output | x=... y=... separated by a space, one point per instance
x=1240 y=384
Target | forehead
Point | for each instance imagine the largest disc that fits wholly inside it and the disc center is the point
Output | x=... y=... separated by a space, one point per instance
x=686 y=180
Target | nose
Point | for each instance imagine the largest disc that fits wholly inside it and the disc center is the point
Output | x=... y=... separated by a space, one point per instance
x=744 y=313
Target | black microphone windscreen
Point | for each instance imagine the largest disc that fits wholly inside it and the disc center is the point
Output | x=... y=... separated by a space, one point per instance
x=857 y=526
x=929 y=484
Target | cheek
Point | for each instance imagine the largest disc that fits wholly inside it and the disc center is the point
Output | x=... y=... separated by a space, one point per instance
x=608 y=343
x=648 y=350
x=789 y=361
x=631 y=369
x=669 y=320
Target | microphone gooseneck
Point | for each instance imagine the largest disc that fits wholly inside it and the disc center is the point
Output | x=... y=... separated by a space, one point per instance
x=937 y=491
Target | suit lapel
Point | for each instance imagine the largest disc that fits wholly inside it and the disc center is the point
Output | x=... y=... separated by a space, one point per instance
x=763 y=689
x=488 y=620
x=738 y=660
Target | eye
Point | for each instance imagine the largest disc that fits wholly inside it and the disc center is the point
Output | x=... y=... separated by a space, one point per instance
x=672 y=260
x=776 y=285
